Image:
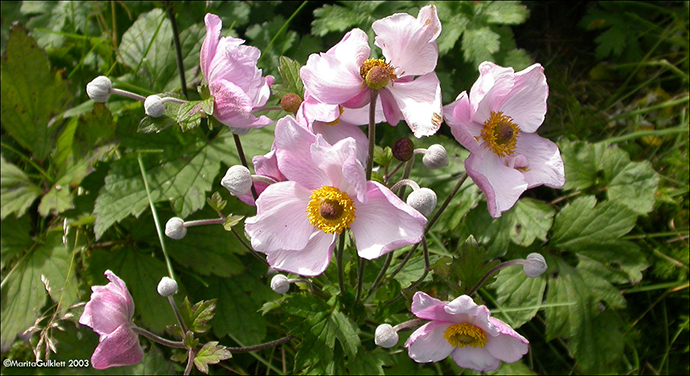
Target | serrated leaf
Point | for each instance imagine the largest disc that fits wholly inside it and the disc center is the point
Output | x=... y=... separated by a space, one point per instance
x=200 y=314
x=210 y=353
x=56 y=201
x=346 y=333
x=239 y=310
x=14 y=238
x=479 y=44
x=471 y=264
x=18 y=192
x=216 y=202
x=533 y=220
x=383 y=156
x=289 y=71
x=231 y=221
x=506 y=12
x=31 y=94
x=515 y=290
x=580 y=160
x=633 y=184
x=583 y=224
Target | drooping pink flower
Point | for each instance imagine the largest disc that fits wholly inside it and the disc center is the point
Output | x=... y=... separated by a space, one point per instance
x=497 y=124
x=229 y=68
x=298 y=221
x=464 y=330
x=413 y=92
x=109 y=313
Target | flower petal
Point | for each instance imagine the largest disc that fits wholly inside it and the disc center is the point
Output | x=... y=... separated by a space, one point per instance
x=501 y=184
x=120 y=348
x=420 y=103
x=458 y=117
x=478 y=359
x=293 y=150
x=208 y=48
x=526 y=103
x=508 y=346
x=545 y=163
x=110 y=306
x=310 y=261
x=281 y=221
x=427 y=344
x=233 y=107
x=385 y=223
x=334 y=133
x=429 y=308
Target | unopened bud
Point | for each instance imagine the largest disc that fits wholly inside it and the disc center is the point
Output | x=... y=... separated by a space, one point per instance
x=280 y=284
x=153 y=106
x=423 y=199
x=385 y=336
x=435 y=157
x=535 y=265
x=99 y=89
x=237 y=180
x=167 y=287
x=175 y=228
x=290 y=102
x=403 y=149
x=377 y=77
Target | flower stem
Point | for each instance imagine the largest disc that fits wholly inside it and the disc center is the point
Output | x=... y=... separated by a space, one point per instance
x=190 y=361
x=178 y=316
x=360 y=279
x=127 y=94
x=491 y=272
x=261 y=346
x=202 y=222
x=372 y=132
x=178 y=48
x=408 y=324
x=157 y=339
x=243 y=159
x=155 y=217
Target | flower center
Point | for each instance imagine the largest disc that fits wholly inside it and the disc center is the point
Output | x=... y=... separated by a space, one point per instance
x=376 y=73
x=330 y=210
x=500 y=134
x=463 y=335
x=337 y=120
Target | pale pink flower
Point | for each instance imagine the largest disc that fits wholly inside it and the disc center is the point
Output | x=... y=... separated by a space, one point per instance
x=497 y=124
x=109 y=313
x=413 y=92
x=464 y=330
x=298 y=221
x=229 y=68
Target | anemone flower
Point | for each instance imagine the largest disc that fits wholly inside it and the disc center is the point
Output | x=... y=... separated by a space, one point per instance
x=233 y=79
x=109 y=313
x=464 y=330
x=408 y=87
x=298 y=221
x=497 y=124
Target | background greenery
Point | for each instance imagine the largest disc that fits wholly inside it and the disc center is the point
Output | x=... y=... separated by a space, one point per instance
x=615 y=297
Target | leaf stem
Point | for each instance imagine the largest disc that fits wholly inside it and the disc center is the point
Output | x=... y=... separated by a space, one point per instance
x=261 y=346
x=243 y=160
x=178 y=48
x=157 y=339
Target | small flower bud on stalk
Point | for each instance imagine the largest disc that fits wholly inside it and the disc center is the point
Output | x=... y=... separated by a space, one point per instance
x=423 y=199
x=435 y=157
x=167 y=287
x=290 y=102
x=386 y=336
x=99 y=89
x=535 y=265
x=175 y=228
x=280 y=284
x=153 y=106
x=403 y=149
x=237 y=180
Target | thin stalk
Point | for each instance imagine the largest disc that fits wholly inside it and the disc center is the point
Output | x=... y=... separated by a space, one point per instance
x=178 y=48
x=178 y=316
x=372 y=132
x=157 y=339
x=30 y=161
x=155 y=218
x=190 y=361
x=128 y=94
x=360 y=278
x=243 y=159
x=282 y=29
x=261 y=346
x=491 y=272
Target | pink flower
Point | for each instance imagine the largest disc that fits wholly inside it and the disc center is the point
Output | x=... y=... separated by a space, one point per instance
x=109 y=313
x=465 y=331
x=497 y=124
x=233 y=78
x=340 y=75
x=298 y=221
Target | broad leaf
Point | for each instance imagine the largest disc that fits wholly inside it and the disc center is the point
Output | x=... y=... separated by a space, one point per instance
x=18 y=192
x=519 y=295
x=210 y=353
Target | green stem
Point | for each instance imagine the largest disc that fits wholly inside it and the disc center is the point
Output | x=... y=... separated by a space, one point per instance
x=360 y=279
x=243 y=160
x=178 y=48
x=157 y=339
x=282 y=29
x=155 y=217
x=261 y=346
x=177 y=314
x=30 y=161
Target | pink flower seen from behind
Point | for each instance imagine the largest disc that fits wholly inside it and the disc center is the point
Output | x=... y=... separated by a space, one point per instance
x=109 y=313
x=464 y=330
x=497 y=124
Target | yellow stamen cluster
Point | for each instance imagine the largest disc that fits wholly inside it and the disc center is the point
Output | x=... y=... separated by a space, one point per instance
x=463 y=335
x=500 y=134
x=330 y=210
x=370 y=64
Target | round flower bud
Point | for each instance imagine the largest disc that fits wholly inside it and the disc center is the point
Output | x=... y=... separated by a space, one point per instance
x=175 y=228
x=435 y=157
x=290 y=102
x=377 y=77
x=385 y=336
x=167 y=287
x=237 y=180
x=280 y=284
x=153 y=106
x=403 y=149
x=99 y=89
x=535 y=265
x=423 y=199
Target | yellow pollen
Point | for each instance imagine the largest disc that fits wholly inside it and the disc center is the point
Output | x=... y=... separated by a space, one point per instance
x=336 y=121
x=463 y=335
x=370 y=63
x=500 y=134
x=330 y=210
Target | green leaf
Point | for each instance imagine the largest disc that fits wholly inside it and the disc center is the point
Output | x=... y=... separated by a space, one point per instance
x=583 y=224
x=492 y=233
x=18 y=192
x=517 y=291
x=383 y=157
x=633 y=184
x=370 y=362
x=198 y=316
x=533 y=220
x=24 y=293
x=289 y=71
x=471 y=264
x=581 y=162
x=56 y=201
x=346 y=333
x=216 y=202
x=506 y=12
x=479 y=44
x=454 y=22
x=14 y=238
x=32 y=94
x=232 y=221
x=210 y=353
